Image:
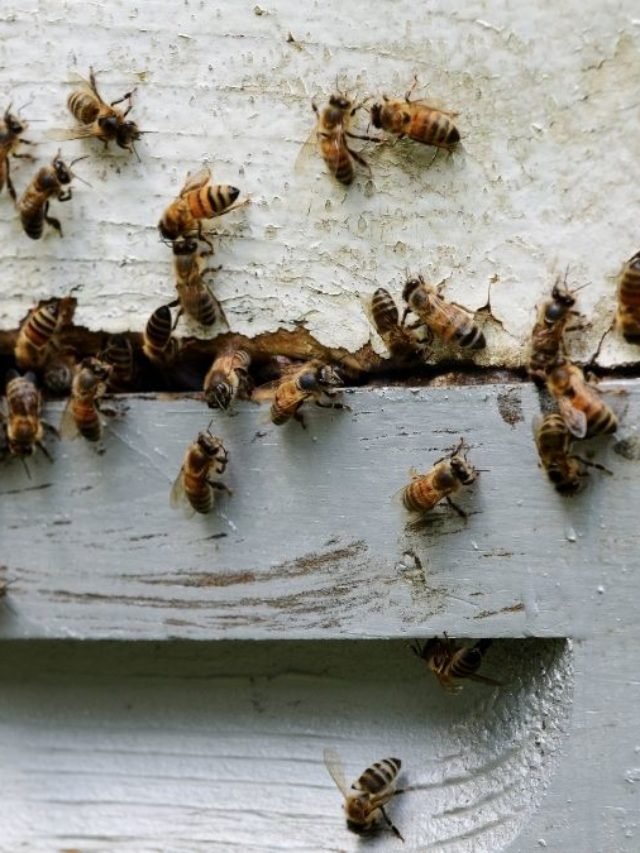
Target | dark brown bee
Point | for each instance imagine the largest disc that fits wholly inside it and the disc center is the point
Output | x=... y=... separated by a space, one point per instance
x=25 y=429
x=418 y=119
x=194 y=296
x=547 y=334
x=628 y=316
x=553 y=442
x=158 y=344
x=444 y=479
x=228 y=377
x=315 y=381
x=448 y=662
x=446 y=320
x=99 y=120
x=118 y=353
x=332 y=130
x=364 y=802
x=48 y=182
x=11 y=128
x=403 y=344
x=57 y=374
x=204 y=457
x=38 y=336
x=82 y=414
x=199 y=199
x=583 y=410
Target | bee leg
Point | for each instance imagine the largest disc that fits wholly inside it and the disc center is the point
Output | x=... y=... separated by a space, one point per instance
x=55 y=223
x=64 y=196
x=360 y=136
x=220 y=487
x=179 y=312
x=411 y=89
x=314 y=107
x=298 y=416
x=44 y=450
x=594 y=465
x=391 y=826
x=458 y=509
x=10 y=187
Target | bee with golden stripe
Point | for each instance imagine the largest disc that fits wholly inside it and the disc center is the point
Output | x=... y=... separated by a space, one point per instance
x=315 y=381
x=365 y=800
x=199 y=199
x=332 y=130
x=547 y=334
x=158 y=344
x=82 y=414
x=194 y=485
x=38 y=336
x=24 y=426
x=11 y=128
x=449 y=663
x=33 y=207
x=553 y=442
x=445 y=320
x=227 y=378
x=194 y=296
x=404 y=344
x=418 y=120
x=444 y=479
x=628 y=316
x=118 y=354
x=582 y=408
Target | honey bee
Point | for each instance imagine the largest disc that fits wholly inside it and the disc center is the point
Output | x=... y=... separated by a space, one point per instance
x=583 y=410
x=563 y=468
x=33 y=206
x=445 y=319
x=57 y=374
x=444 y=479
x=10 y=129
x=118 y=353
x=99 y=120
x=199 y=199
x=158 y=344
x=228 y=377
x=546 y=337
x=194 y=296
x=313 y=381
x=204 y=457
x=403 y=344
x=332 y=130
x=364 y=802
x=628 y=316
x=37 y=338
x=448 y=662
x=82 y=414
x=24 y=427
x=418 y=119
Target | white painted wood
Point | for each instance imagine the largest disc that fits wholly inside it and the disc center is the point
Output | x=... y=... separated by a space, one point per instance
x=547 y=95
x=312 y=543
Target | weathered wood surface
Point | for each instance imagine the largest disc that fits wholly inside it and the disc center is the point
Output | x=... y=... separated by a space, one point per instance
x=312 y=542
x=541 y=100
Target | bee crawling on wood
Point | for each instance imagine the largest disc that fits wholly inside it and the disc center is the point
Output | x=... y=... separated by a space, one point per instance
x=449 y=663
x=314 y=381
x=11 y=130
x=444 y=479
x=195 y=298
x=118 y=354
x=553 y=442
x=82 y=413
x=547 y=334
x=365 y=800
x=581 y=406
x=158 y=344
x=24 y=426
x=194 y=485
x=404 y=344
x=446 y=320
x=48 y=182
x=628 y=315
x=418 y=120
x=227 y=378
x=38 y=337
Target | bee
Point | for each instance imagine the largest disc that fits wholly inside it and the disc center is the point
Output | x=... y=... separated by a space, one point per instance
x=37 y=338
x=158 y=344
x=11 y=128
x=99 y=120
x=82 y=415
x=364 y=802
x=313 y=381
x=445 y=320
x=24 y=427
x=628 y=316
x=583 y=410
x=418 y=119
x=119 y=355
x=228 y=377
x=448 y=662
x=553 y=442
x=199 y=199
x=444 y=479
x=57 y=374
x=402 y=343
x=33 y=206
x=204 y=457
x=332 y=130
x=194 y=296
x=546 y=337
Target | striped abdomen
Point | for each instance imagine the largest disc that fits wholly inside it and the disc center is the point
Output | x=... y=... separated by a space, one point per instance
x=465 y=662
x=35 y=336
x=210 y=200
x=288 y=399
x=431 y=127
x=87 y=418
x=199 y=303
x=119 y=354
x=384 y=312
x=424 y=492
x=553 y=441
x=194 y=477
x=380 y=777
x=24 y=403
x=447 y=321
x=336 y=157
x=158 y=344
x=84 y=106
x=600 y=419
x=629 y=300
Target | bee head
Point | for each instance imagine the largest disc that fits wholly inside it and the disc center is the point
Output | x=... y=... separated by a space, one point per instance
x=357 y=811
x=211 y=445
x=410 y=287
x=462 y=469
x=63 y=172
x=340 y=102
x=309 y=380
x=126 y=133
x=13 y=123
x=181 y=247
x=218 y=395
x=100 y=369
x=109 y=124
x=329 y=376
x=376 y=115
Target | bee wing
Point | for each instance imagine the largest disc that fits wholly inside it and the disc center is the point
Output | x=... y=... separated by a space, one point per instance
x=575 y=419
x=307 y=151
x=333 y=764
x=197 y=180
x=83 y=131
x=435 y=104
x=68 y=427
x=265 y=393
x=178 y=496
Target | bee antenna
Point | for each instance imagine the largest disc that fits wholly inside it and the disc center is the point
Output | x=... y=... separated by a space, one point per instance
x=209 y=424
x=77 y=159
x=82 y=180
x=133 y=148
x=26 y=104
